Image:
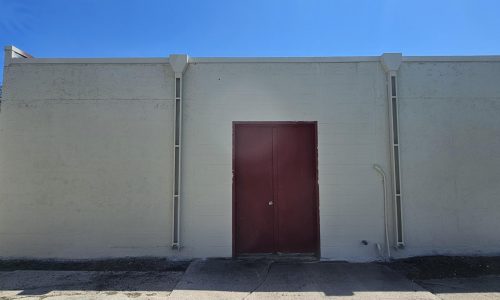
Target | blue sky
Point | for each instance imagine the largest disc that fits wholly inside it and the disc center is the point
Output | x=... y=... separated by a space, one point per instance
x=156 y=28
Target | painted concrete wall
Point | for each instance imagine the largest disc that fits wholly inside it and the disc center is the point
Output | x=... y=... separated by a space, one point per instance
x=86 y=155
x=450 y=139
x=349 y=102
x=85 y=160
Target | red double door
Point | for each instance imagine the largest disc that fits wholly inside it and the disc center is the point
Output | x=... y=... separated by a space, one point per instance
x=275 y=188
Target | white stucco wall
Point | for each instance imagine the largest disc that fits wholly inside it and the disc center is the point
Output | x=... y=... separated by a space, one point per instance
x=86 y=160
x=86 y=154
x=450 y=141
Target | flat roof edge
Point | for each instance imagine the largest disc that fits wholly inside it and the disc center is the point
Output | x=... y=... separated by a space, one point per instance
x=327 y=59
x=151 y=60
x=340 y=59
x=332 y=59
x=471 y=58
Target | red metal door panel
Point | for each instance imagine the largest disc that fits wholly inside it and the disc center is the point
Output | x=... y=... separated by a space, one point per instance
x=275 y=200
x=253 y=188
x=296 y=184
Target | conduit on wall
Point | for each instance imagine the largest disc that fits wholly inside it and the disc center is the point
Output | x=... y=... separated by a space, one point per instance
x=178 y=64
x=391 y=63
x=386 y=223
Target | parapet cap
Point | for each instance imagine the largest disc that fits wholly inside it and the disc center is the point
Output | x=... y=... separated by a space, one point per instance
x=11 y=52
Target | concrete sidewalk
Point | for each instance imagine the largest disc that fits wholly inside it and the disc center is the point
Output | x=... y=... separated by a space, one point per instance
x=86 y=284
x=261 y=279
x=483 y=287
x=238 y=279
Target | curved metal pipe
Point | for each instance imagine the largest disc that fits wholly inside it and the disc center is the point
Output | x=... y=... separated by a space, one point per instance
x=382 y=174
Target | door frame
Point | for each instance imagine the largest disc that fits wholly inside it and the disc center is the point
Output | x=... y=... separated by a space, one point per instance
x=316 y=185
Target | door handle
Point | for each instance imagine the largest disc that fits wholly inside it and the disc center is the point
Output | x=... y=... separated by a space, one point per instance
x=271 y=203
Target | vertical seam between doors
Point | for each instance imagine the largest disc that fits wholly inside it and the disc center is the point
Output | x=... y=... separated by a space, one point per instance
x=275 y=191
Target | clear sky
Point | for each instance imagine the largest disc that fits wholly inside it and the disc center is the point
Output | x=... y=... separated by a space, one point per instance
x=156 y=28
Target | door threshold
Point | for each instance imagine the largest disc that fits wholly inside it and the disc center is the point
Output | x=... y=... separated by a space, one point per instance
x=281 y=257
